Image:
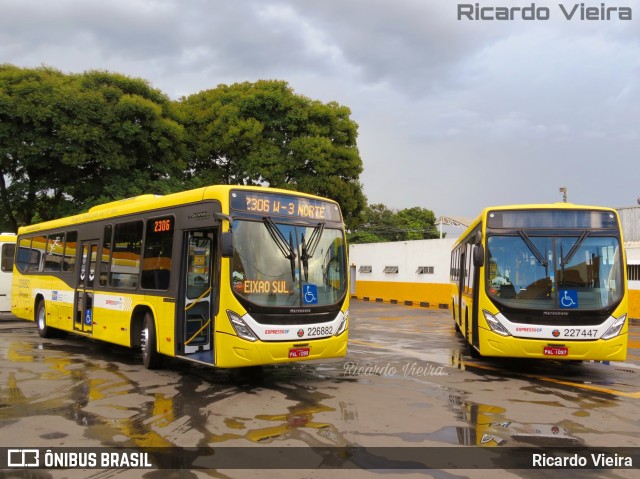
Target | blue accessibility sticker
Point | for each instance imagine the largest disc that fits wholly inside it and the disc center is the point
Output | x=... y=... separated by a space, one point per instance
x=568 y=298
x=310 y=294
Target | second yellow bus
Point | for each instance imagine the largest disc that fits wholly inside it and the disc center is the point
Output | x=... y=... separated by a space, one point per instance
x=542 y=281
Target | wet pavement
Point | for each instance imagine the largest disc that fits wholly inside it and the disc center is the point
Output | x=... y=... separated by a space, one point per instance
x=406 y=382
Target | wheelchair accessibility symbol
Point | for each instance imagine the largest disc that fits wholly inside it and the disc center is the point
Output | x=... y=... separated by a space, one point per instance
x=310 y=294
x=568 y=298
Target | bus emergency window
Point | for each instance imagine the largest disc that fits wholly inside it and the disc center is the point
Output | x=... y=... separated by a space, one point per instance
x=106 y=255
x=156 y=264
x=125 y=258
x=70 y=247
x=53 y=252
x=8 y=251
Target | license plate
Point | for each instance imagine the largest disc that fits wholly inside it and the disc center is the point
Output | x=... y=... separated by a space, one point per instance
x=556 y=351
x=299 y=353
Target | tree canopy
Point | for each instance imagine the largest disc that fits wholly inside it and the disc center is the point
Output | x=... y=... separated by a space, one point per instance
x=380 y=224
x=263 y=134
x=68 y=142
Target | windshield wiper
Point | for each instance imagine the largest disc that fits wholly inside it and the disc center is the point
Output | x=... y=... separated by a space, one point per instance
x=541 y=259
x=287 y=249
x=565 y=260
x=309 y=249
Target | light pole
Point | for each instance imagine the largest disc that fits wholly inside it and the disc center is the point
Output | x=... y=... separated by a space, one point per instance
x=563 y=190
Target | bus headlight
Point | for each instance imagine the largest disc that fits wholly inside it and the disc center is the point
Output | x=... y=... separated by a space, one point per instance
x=240 y=327
x=495 y=325
x=343 y=323
x=615 y=328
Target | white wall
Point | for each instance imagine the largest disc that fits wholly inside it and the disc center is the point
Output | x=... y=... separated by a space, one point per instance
x=408 y=256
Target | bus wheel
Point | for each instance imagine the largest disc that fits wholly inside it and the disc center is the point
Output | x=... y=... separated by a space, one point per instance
x=41 y=322
x=149 y=344
x=455 y=321
x=474 y=353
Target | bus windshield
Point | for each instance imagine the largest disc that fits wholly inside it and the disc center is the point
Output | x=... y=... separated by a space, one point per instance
x=286 y=265
x=581 y=272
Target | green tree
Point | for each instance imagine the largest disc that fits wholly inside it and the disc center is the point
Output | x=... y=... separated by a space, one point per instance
x=263 y=134
x=383 y=224
x=381 y=221
x=70 y=141
x=363 y=237
x=417 y=223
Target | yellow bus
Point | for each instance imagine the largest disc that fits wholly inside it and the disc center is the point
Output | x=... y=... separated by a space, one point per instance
x=542 y=281
x=226 y=276
x=7 y=253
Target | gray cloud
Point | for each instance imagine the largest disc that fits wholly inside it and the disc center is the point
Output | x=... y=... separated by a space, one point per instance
x=454 y=115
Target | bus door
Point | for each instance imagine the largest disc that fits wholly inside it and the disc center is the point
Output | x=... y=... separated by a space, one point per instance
x=461 y=283
x=198 y=295
x=6 y=254
x=84 y=297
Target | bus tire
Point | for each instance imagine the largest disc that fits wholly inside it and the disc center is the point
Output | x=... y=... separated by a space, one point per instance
x=455 y=320
x=473 y=352
x=41 y=321
x=149 y=344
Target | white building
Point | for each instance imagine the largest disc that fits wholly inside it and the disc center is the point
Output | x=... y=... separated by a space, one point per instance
x=405 y=272
x=417 y=272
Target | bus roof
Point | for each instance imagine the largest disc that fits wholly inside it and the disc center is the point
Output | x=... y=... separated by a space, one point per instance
x=533 y=206
x=7 y=238
x=150 y=202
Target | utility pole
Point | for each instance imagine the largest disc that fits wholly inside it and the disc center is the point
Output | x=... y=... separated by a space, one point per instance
x=563 y=190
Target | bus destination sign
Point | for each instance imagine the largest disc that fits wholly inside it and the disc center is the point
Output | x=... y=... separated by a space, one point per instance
x=284 y=205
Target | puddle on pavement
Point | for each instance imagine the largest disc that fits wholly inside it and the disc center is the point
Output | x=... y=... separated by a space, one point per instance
x=595 y=373
x=117 y=410
x=490 y=426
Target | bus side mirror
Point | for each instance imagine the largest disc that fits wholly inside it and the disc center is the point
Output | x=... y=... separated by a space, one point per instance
x=478 y=255
x=226 y=244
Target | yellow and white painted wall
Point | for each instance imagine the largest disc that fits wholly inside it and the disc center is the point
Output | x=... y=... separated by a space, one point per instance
x=633 y=273
x=630 y=219
x=414 y=273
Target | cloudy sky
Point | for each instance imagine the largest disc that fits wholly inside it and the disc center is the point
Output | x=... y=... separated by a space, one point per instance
x=453 y=115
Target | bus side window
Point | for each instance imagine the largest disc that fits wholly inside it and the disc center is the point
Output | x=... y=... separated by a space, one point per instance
x=126 y=254
x=156 y=263
x=70 y=247
x=106 y=256
x=53 y=252
x=24 y=251
x=38 y=247
x=8 y=252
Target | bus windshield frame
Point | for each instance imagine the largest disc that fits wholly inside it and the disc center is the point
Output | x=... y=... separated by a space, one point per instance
x=544 y=260
x=277 y=270
x=289 y=252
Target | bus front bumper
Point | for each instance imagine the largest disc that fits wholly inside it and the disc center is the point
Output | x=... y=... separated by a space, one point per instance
x=236 y=352
x=493 y=344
